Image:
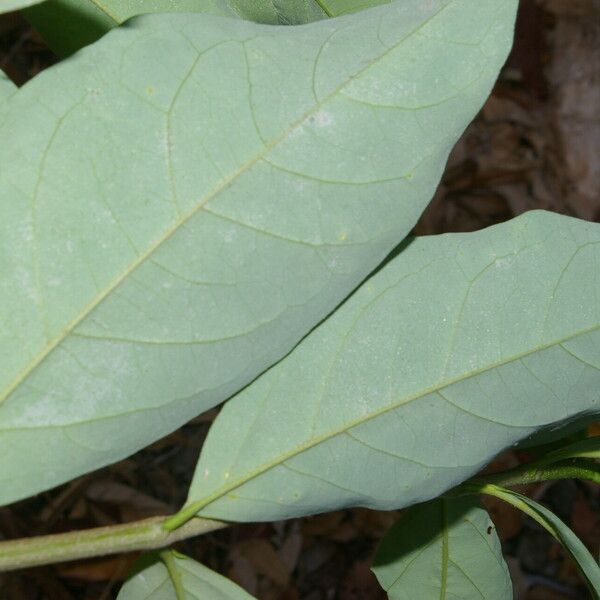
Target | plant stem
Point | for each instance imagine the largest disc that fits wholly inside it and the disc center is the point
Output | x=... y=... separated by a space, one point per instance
x=148 y=534
x=576 y=469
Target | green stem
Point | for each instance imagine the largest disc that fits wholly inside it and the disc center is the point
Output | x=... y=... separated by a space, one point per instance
x=576 y=469
x=179 y=519
x=148 y=534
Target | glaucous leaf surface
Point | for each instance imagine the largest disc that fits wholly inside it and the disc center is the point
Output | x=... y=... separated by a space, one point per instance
x=7 y=87
x=68 y=25
x=10 y=5
x=182 y=201
x=194 y=581
x=446 y=548
x=576 y=548
x=461 y=346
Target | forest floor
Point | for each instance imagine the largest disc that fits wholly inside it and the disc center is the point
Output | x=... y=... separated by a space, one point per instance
x=534 y=145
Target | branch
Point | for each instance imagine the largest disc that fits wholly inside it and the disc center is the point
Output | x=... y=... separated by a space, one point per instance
x=148 y=534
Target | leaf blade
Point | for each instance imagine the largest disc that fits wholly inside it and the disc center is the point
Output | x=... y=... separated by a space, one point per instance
x=7 y=87
x=586 y=448
x=154 y=581
x=443 y=549
x=366 y=420
x=158 y=246
x=553 y=524
x=68 y=25
x=344 y=7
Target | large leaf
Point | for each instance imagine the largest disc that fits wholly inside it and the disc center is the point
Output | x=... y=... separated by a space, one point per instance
x=178 y=578
x=68 y=25
x=182 y=201
x=10 y=5
x=576 y=548
x=461 y=346
x=443 y=549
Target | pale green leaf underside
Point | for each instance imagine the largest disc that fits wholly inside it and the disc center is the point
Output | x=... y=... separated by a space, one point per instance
x=576 y=548
x=10 y=5
x=7 y=88
x=463 y=345
x=182 y=201
x=197 y=581
x=443 y=549
x=68 y=25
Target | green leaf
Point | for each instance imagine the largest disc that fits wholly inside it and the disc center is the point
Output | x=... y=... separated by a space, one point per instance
x=178 y=577
x=182 y=201
x=10 y=5
x=68 y=25
x=7 y=87
x=547 y=519
x=461 y=346
x=443 y=549
x=588 y=448
x=292 y=12
x=344 y=7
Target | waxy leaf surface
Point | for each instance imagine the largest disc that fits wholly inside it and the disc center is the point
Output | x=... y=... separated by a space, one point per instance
x=446 y=548
x=186 y=580
x=182 y=201
x=463 y=345
x=7 y=87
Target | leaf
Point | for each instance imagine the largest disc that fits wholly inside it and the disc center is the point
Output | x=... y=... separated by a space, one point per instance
x=295 y=12
x=443 y=549
x=588 y=448
x=155 y=580
x=10 y=5
x=68 y=25
x=345 y=7
x=584 y=560
x=461 y=346
x=7 y=87
x=237 y=181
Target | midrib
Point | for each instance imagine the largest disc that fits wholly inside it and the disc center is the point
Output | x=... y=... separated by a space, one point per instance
x=445 y=551
x=324 y=8
x=105 y=10
x=39 y=359
x=200 y=504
